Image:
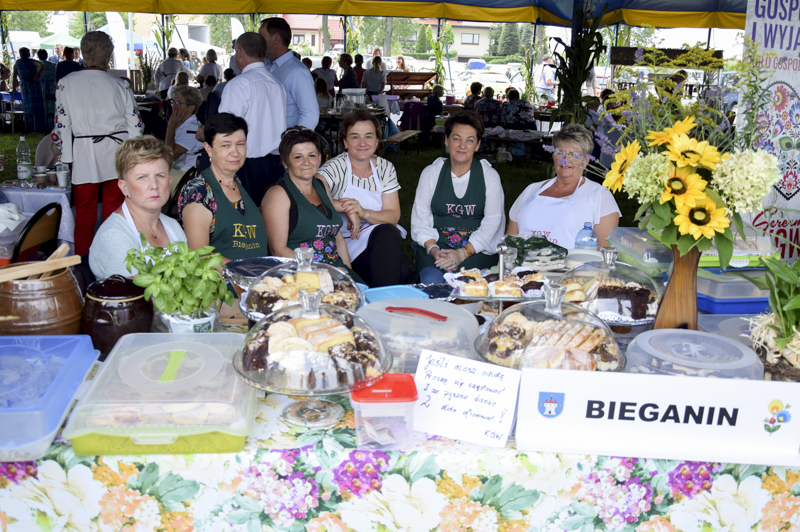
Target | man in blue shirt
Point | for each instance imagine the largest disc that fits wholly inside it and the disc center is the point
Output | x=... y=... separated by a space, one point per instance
x=301 y=101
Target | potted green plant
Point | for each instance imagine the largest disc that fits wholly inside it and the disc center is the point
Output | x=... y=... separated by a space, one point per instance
x=183 y=284
x=776 y=334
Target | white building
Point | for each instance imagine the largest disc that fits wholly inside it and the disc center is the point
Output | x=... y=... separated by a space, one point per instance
x=472 y=38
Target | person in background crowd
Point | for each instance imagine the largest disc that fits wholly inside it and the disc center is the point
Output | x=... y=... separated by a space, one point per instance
x=400 y=62
x=328 y=74
x=458 y=216
x=95 y=113
x=183 y=55
x=349 y=78
x=5 y=75
x=68 y=65
x=377 y=53
x=26 y=78
x=182 y=127
x=142 y=166
x=232 y=60
x=324 y=98
x=78 y=58
x=298 y=211
x=517 y=113
x=474 y=96
x=259 y=98
x=229 y=75
x=301 y=103
x=208 y=87
x=509 y=74
x=559 y=207
x=214 y=206
x=374 y=79
x=195 y=61
x=211 y=68
x=167 y=71
x=546 y=78
x=182 y=79
x=308 y=63
x=364 y=190
x=58 y=51
x=359 y=68
x=488 y=108
x=47 y=80
x=434 y=101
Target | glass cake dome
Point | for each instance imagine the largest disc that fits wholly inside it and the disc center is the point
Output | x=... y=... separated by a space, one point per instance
x=280 y=286
x=312 y=350
x=551 y=334
x=617 y=293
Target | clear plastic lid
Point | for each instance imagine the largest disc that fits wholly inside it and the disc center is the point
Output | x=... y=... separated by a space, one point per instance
x=641 y=244
x=684 y=352
x=618 y=293
x=167 y=383
x=313 y=349
x=280 y=286
x=551 y=334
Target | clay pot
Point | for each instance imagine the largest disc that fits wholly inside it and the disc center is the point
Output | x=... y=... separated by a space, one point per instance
x=40 y=306
x=113 y=308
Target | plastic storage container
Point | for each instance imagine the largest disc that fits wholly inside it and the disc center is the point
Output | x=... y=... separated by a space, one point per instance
x=393 y=292
x=731 y=305
x=279 y=286
x=165 y=393
x=407 y=326
x=641 y=250
x=733 y=326
x=693 y=353
x=551 y=334
x=384 y=413
x=728 y=285
x=39 y=376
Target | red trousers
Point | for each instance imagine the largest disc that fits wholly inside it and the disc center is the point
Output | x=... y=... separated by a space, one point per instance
x=86 y=210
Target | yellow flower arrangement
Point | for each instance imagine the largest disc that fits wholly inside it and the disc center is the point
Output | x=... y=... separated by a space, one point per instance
x=702 y=220
x=622 y=161
x=686 y=151
x=684 y=186
x=659 y=138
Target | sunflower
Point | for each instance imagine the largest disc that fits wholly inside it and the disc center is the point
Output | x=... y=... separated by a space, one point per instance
x=680 y=127
x=684 y=151
x=622 y=161
x=702 y=220
x=684 y=186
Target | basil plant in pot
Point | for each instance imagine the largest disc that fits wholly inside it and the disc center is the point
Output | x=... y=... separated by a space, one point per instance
x=185 y=286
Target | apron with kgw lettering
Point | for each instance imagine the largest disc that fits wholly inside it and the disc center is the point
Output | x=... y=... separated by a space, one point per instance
x=552 y=218
x=236 y=235
x=313 y=229
x=457 y=218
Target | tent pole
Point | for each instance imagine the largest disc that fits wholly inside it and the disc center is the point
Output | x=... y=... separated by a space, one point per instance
x=610 y=81
x=85 y=22
x=344 y=29
x=130 y=40
x=2 y=33
x=163 y=37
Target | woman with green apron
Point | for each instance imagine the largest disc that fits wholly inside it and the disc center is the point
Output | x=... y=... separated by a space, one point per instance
x=297 y=210
x=458 y=216
x=214 y=207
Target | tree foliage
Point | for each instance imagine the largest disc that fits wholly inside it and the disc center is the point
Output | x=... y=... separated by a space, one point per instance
x=423 y=44
x=509 y=40
x=495 y=32
x=96 y=19
x=526 y=37
x=220 y=29
x=374 y=30
x=28 y=21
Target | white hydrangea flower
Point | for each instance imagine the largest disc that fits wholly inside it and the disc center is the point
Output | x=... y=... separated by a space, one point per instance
x=744 y=178
x=646 y=176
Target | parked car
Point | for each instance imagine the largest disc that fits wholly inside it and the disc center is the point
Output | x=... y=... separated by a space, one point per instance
x=496 y=80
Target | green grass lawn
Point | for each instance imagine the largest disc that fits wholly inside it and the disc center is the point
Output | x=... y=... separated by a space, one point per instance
x=8 y=147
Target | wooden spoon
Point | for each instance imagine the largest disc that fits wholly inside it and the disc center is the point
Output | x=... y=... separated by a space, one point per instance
x=33 y=268
x=61 y=252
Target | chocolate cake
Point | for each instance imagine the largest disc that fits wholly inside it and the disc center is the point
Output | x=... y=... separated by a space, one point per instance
x=255 y=353
x=637 y=296
x=532 y=285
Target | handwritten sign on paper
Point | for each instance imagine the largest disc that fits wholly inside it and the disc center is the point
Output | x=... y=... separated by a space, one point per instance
x=465 y=399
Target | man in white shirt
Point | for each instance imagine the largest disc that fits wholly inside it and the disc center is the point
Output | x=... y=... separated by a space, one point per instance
x=302 y=108
x=167 y=71
x=546 y=80
x=260 y=99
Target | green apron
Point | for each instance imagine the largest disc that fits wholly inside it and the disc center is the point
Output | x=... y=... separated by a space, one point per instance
x=457 y=218
x=236 y=235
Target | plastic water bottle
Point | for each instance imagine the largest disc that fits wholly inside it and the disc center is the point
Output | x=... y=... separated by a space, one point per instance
x=24 y=163
x=587 y=238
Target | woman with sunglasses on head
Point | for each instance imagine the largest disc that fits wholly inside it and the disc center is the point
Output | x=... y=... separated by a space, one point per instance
x=214 y=206
x=557 y=208
x=298 y=211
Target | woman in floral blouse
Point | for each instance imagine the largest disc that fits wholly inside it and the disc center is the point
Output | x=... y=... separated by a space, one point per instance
x=474 y=96
x=488 y=108
x=516 y=113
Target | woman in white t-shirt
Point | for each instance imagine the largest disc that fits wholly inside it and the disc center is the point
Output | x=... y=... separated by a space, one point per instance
x=557 y=208
x=364 y=189
x=182 y=127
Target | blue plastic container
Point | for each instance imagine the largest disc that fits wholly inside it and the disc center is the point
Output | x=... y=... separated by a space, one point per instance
x=41 y=375
x=393 y=292
x=731 y=306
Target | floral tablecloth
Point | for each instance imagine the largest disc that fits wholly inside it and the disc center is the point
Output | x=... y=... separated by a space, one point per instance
x=295 y=479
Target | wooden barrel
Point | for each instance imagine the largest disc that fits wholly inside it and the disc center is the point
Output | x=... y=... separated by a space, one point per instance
x=42 y=306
